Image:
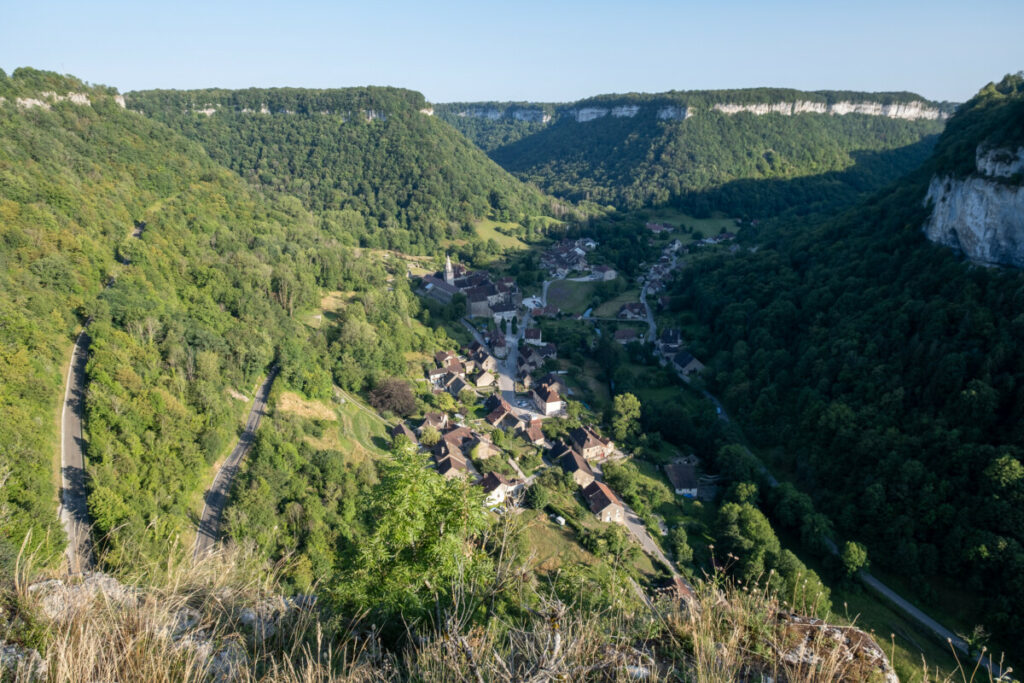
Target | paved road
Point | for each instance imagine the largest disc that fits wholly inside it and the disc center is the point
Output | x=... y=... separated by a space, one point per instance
x=217 y=495
x=639 y=531
x=74 y=510
x=869 y=580
x=902 y=604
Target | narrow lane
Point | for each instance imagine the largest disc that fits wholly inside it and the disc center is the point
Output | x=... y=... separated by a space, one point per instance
x=216 y=498
x=898 y=601
x=74 y=509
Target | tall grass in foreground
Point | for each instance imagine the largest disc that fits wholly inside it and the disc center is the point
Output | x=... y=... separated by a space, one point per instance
x=190 y=623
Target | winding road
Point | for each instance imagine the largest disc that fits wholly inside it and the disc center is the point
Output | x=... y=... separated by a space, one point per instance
x=902 y=604
x=216 y=497
x=74 y=510
x=898 y=601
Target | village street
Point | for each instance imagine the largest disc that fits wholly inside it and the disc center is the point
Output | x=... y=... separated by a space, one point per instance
x=652 y=327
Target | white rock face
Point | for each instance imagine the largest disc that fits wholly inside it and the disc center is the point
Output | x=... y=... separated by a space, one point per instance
x=530 y=115
x=588 y=114
x=999 y=163
x=209 y=111
x=979 y=216
x=757 y=109
x=31 y=102
x=119 y=99
x=673 y=113
x=490 y=114
x=628 y=112
x=805 y=107
x=908 y=110
x=429 y=111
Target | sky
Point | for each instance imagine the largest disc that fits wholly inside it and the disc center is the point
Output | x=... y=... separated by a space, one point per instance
x=530 y=50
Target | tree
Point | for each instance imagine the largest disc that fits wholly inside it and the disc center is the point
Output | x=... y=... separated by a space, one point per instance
x=430 y=436
x=423 y=542
x=393 y=395
x=854 y=557
x=742 y=492
x=680 y=546
x=445 y=402
x=746 y=538
x=625 y=416
x=537 y=496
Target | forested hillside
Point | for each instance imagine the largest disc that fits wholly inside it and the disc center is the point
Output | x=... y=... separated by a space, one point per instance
x=885 y=376
x=202 y=274
x=366 y=160
x=677 y=148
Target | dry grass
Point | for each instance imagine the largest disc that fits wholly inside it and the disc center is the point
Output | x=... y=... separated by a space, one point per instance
x=189 y=624
x=290 y=402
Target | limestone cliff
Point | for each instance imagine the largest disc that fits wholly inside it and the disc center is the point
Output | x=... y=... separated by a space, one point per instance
x=981 y=215
x=911 y=111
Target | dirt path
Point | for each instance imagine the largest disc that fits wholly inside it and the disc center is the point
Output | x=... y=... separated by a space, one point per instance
x=216 y=498
x=74 y=510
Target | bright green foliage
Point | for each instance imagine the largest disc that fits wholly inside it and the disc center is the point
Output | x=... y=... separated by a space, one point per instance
x=854 y=557
x=680 y=546
x=749 y=550
x=424 y=539
x=364 y=159
x=625 y=416
x=298 y=503
x=199 y=301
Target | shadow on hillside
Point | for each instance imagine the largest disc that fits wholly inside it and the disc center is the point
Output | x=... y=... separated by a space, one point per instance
x=763 y=197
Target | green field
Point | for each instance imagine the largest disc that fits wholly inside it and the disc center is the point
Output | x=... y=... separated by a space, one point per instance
x=610 y=308
x=571 y=297
x=487 y=229
x=706 y=226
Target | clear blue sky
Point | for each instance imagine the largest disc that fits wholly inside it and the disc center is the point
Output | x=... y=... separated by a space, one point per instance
x=525 y=50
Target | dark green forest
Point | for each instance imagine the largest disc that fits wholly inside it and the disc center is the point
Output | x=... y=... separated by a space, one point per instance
x=490 y=133
x=711 y=161
x=366 y=160
x=884 y=374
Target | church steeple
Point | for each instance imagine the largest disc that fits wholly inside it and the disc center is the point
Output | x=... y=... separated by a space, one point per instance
x=449 y=271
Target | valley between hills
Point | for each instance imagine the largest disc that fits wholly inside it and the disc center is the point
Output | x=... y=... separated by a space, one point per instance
x=350 y=382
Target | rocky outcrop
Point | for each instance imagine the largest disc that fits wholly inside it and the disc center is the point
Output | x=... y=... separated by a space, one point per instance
x=811 y=643
x=531 y=115
x=527 y=115
x=588 y=114
x=215 y=638
x=672 y=113
x=60 y=599
x=21 y=664
x=48 y=98
x=910 y=111
x=981 y=216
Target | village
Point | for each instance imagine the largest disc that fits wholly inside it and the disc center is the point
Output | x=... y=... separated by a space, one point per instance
x=508 y=387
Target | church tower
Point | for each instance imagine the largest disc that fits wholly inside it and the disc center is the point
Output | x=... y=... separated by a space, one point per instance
x=449 y=271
